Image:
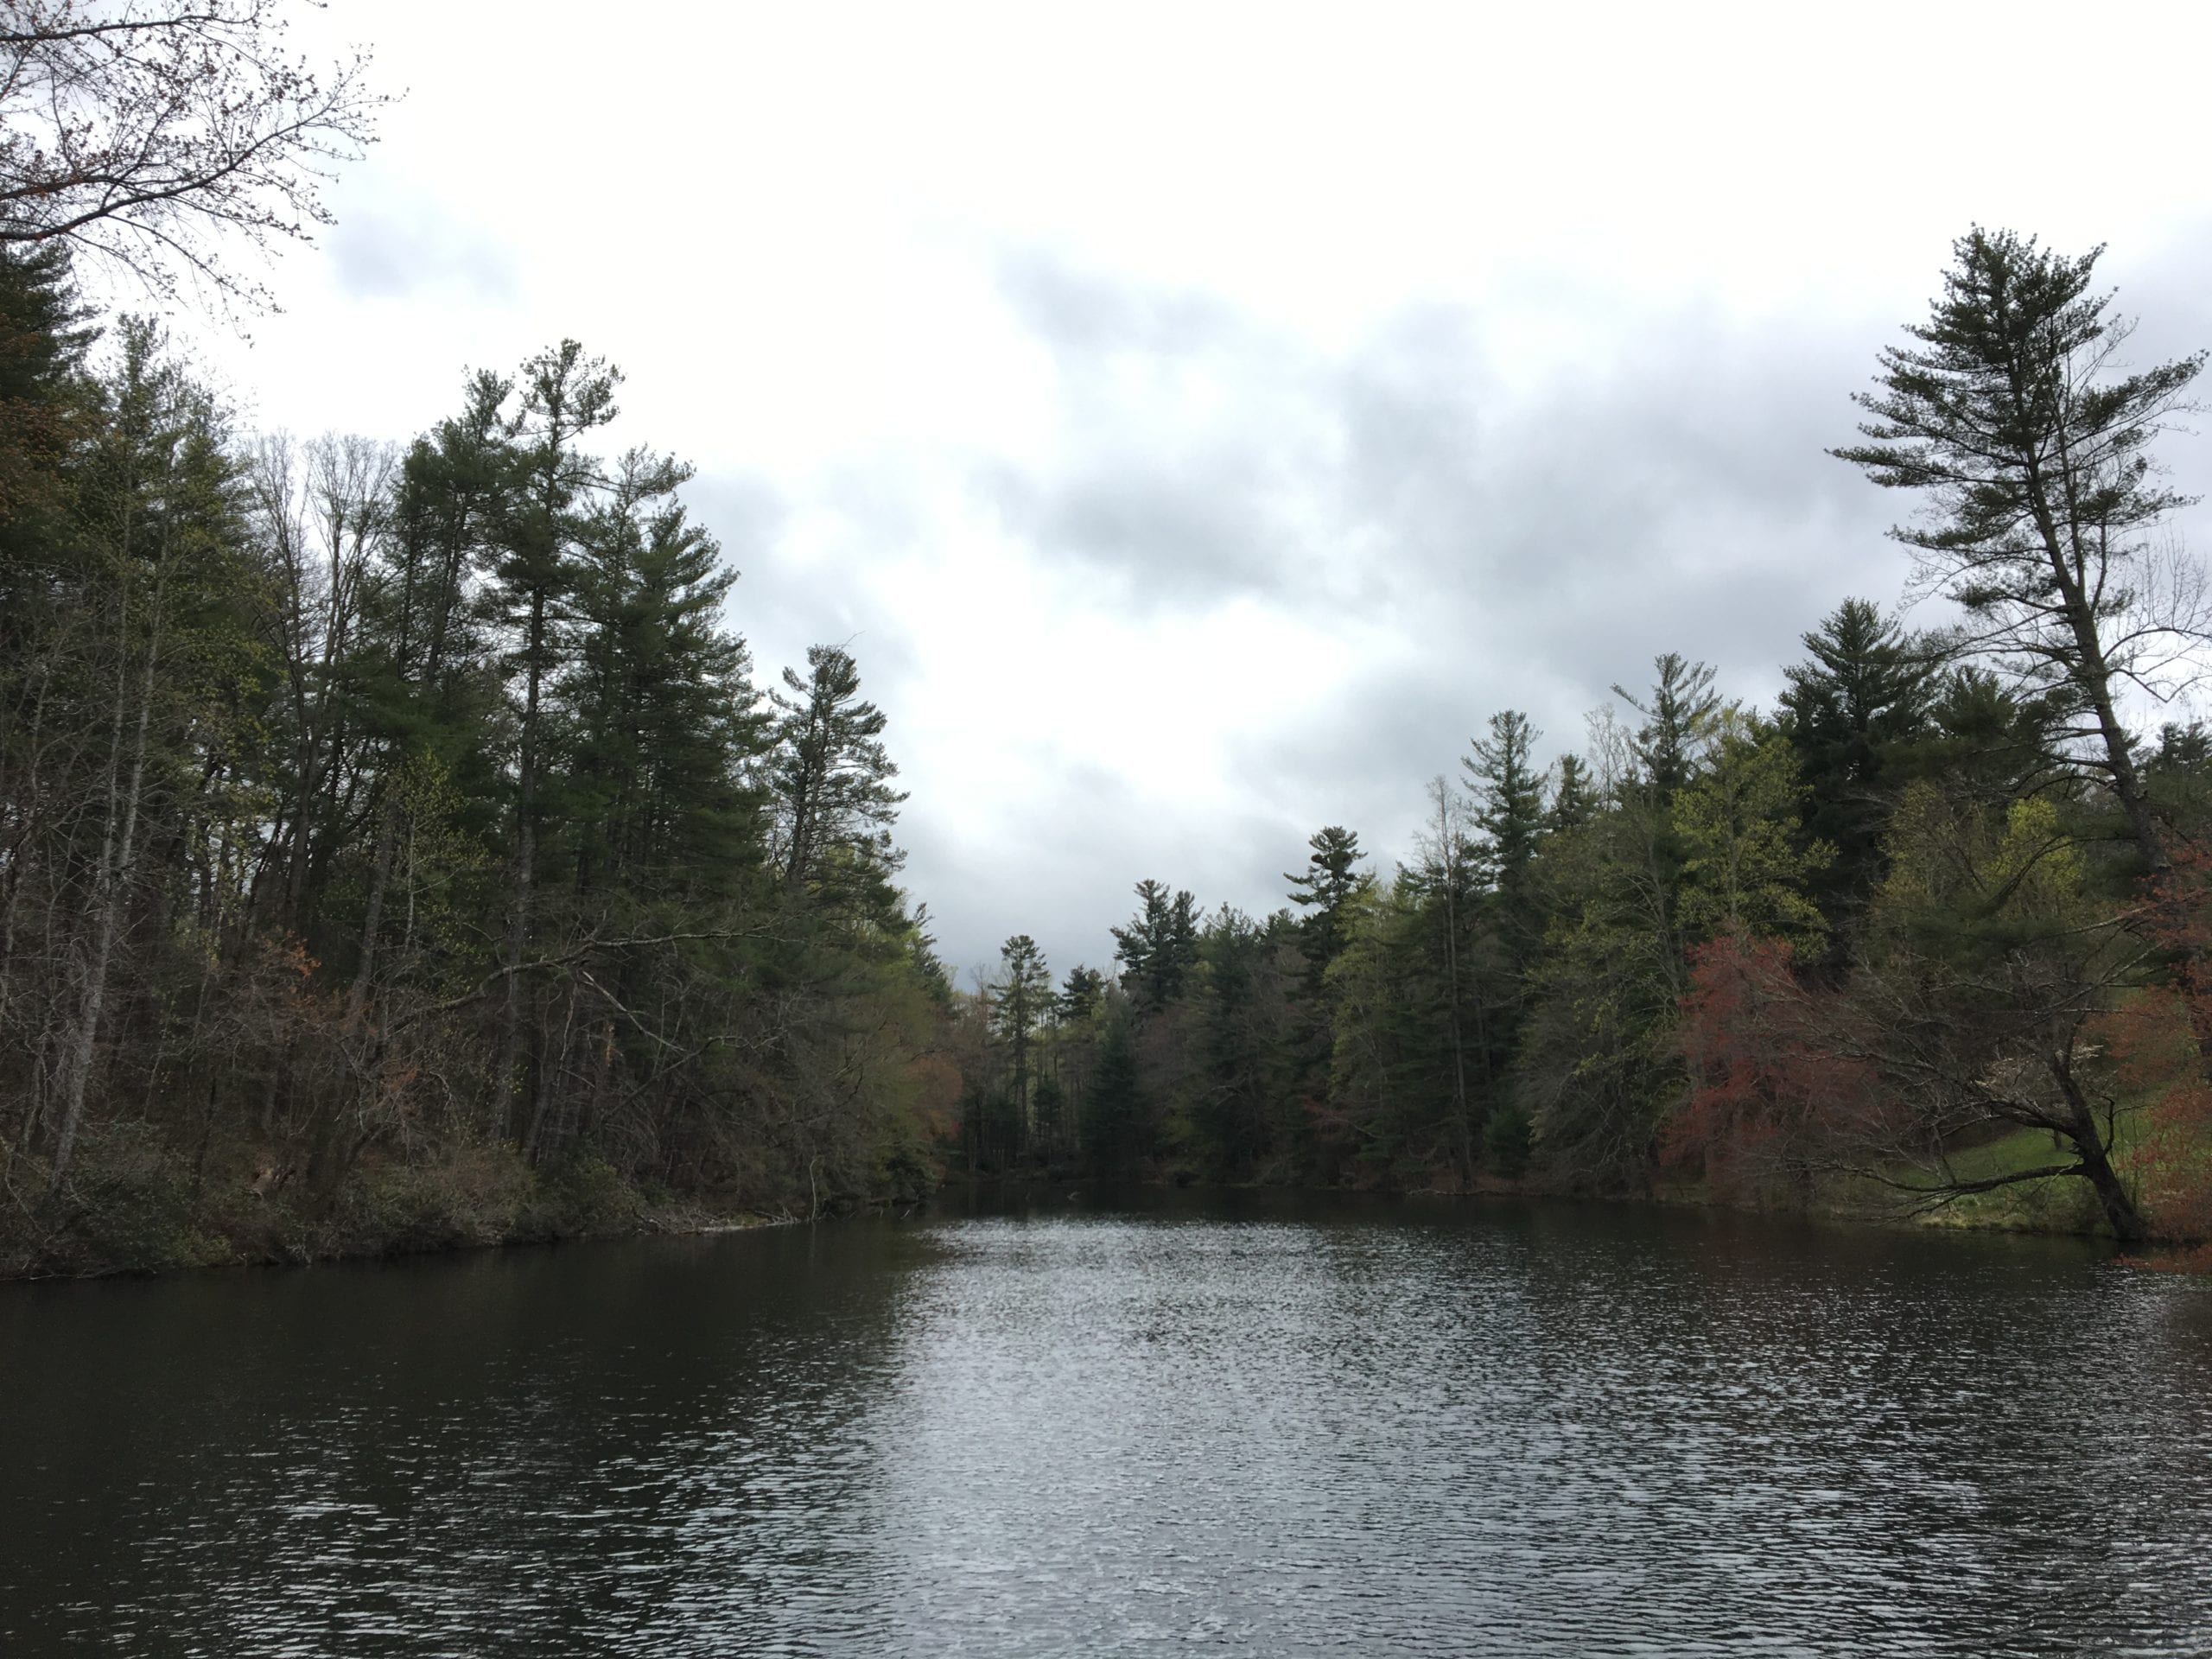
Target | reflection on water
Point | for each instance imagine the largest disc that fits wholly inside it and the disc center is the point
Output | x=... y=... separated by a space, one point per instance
x=1272 y=1426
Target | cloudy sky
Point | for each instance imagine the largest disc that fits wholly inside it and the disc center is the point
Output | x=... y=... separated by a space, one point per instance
x=1199 y=418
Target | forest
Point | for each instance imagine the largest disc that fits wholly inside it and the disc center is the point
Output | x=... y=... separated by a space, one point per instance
x=399 y=847
x=394 y=846
x=1929 y=936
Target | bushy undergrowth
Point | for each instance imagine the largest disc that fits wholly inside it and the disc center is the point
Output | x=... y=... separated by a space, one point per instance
x=134 y=1205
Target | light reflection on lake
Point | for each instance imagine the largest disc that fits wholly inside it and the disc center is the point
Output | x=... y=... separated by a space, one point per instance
x=1257 y=1424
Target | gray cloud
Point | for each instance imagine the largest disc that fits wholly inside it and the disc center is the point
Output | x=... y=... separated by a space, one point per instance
x=1521 y=547
x=391 y=253
x=746 y=515
x=1521 y=550
x=783 y=605
x=1079 y=312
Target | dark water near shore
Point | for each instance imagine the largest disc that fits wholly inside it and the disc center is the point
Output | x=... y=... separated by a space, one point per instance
x=1270 y=1426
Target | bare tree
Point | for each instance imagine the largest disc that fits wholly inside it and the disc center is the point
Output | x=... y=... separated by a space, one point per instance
x=148 y=132
x=320 y=509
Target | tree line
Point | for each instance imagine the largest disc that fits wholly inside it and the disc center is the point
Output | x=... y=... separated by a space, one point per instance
x=396 y=846
x=1941 y=907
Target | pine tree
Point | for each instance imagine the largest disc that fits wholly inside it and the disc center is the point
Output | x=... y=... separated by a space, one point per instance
x=2011 y=411
x=1509 y=810
x=660 y=699
x=1157 y=947
x=1744 y=868
x=1022 y=1000
x=423 y=690
x=565 y=395
x=1863 y=697
x=1573 y=802
x=1081 y=994
x=1115 y=1113
x=171 y=593
x=1677 y=718
x=1331 y=881
x=1242 y=1039
x=43 y=414
x=830 y=772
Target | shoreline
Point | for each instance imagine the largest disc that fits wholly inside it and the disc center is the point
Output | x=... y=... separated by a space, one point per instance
x=698 y=1218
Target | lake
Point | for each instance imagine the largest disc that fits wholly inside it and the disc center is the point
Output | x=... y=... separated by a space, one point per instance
x=1234 y=1423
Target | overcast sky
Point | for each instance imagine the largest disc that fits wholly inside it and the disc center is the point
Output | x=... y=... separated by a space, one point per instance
x=1199 y=418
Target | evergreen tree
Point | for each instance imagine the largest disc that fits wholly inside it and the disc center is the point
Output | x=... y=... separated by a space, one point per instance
x=1990 y=741
x=1331 y=892
x=830 y=771
x=1596 y=1066
x=51 y=672
x=1241 y=1031
x=167 y=670
x=424 y=694
x=930 y=966
x=43 y=414
x=1573 y=802
x=265 y=712
x=1864 y=695
x=565 y=395
x=1678 y=715
x=1115 y=1115
x=1157 y=947
x=449 y=509
x=1509 y=810
x=659 y=699
x=2178 y=774
x=1331 y=881
x=1744 y=870
x=1022 y=1000
x=1081 y=995
x=2012 y=412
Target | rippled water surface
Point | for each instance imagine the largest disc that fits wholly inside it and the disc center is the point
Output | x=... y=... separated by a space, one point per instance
x=1265 y=1425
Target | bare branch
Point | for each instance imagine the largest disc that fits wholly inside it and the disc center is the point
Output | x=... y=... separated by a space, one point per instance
x=149 y=135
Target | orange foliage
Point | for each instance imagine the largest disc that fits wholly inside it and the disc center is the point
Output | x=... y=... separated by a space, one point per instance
x=1765 y=1085
x=2154 y=1043
x=2162 y=1045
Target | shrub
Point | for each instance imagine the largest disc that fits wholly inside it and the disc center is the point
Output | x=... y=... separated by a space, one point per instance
x=1506 y=1143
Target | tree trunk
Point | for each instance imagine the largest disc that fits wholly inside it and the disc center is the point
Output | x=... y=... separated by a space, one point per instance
x=357 y=1001
x=2120 y=758
x=2121 y=1213
x=534 y=1139
x=525 y=866
x=1452 y=969
x=118 y=854
x=2092 y=672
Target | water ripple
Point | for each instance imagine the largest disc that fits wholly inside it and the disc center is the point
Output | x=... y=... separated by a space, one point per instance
x=1293 y=1428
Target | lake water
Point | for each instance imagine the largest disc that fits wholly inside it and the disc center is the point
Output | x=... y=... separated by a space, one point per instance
x=1271 y=1425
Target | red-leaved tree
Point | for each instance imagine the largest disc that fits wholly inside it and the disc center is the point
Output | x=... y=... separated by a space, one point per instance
x=1767 y=1093
x=2161 y=1043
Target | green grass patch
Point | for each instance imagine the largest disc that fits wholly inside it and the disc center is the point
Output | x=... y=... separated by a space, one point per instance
x=2054 y=1204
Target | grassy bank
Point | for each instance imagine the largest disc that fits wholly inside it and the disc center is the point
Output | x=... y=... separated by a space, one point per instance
x=2059 y=1205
